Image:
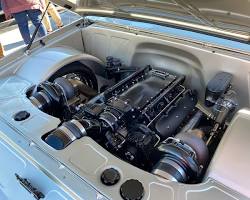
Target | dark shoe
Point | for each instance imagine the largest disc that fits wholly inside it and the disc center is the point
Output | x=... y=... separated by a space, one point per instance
x=60 y=26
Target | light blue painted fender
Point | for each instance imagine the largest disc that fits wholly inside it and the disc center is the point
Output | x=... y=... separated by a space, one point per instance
x=40 y=66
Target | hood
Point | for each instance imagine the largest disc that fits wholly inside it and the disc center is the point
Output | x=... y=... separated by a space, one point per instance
x=229 y=18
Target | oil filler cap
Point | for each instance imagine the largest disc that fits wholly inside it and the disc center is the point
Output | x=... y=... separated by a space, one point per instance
x=22 y=115
x=132 y=190
x=110 y=176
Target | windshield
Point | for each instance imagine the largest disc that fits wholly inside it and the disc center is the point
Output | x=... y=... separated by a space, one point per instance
x=226 y=18
x=227 y=14
x=229 y=18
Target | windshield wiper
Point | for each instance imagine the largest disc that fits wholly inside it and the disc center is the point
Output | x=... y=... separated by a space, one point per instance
x=36 y=30
x=195 y=12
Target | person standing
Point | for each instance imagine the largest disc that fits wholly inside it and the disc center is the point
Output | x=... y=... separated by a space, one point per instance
x=54 y=15
x=22 y=11
x=2 y=52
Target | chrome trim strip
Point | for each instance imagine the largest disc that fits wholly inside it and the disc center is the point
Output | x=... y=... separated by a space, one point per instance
x=198 y=27
x=90 y=10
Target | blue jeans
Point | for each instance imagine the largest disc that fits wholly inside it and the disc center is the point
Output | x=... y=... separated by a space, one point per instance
x=22 y=19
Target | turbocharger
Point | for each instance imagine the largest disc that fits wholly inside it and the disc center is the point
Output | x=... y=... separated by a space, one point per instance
x=183 y=156
x=51 y=97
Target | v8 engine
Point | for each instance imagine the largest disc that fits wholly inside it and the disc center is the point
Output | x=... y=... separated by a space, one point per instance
x=149 y=119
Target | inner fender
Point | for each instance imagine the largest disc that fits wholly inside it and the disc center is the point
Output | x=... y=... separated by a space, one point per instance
x=42 y=65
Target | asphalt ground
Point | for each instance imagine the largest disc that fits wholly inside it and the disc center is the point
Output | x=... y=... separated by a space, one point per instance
x=10 y=36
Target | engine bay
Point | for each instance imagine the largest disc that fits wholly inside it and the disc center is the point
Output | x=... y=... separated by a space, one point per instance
x=149 y=119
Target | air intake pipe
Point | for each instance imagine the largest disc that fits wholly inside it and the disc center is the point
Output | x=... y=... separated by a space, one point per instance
x=70 y=131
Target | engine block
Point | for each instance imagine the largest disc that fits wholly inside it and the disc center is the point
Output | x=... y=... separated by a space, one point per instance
x=148 y=119
x=149 y=97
